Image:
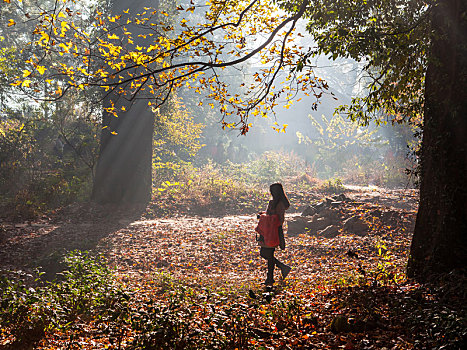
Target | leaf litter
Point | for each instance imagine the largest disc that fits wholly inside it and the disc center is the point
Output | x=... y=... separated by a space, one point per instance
x=346 y=290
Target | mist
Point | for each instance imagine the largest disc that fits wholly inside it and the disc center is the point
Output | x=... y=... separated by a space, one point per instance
x=319 y=141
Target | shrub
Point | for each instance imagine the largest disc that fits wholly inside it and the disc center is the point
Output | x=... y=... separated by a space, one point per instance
x=332 y=186
x=86 y=289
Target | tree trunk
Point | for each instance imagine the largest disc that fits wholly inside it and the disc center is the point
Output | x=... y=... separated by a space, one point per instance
x=439 y=241
x=123 y=172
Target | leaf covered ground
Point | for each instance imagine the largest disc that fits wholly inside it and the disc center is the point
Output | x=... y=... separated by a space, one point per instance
x=196 y=281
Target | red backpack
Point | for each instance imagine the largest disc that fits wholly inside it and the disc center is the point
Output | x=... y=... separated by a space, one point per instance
x=268 y=229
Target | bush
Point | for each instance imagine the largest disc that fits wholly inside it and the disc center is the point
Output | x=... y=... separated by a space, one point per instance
x=86 y=289
x=332 y=186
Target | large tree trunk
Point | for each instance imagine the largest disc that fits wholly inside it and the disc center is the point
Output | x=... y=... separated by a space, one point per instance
x=439 y=241
x=123 y=172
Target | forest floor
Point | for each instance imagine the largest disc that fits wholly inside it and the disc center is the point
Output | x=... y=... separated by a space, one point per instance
x=347 y=288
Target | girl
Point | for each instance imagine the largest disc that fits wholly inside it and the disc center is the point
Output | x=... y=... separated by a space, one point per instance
x=278 y=205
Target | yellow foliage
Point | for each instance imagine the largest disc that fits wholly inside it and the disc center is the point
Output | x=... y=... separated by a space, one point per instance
x=26 y=83
x=176 y=130
x=41 y=69
x=157 y=63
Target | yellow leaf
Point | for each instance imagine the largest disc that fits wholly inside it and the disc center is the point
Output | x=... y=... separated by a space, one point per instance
x=65 y=26
x=65 y=48
x=41 y=69
x=11 y=23
x=26 y=83
x=114 y=133
x=113 y=36
x=44 y=37
x=26 y=73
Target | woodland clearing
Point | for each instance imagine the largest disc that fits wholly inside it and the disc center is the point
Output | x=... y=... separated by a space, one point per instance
x=346 y=290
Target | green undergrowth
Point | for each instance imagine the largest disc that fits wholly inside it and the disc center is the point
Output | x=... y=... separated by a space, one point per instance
x=30 y=308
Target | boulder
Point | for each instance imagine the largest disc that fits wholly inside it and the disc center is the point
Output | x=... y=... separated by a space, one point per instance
x=320 y=206
x=311 y=226
x=329 y=213
x=340 y=198
x=356 y=225
x=320 y=223
x=329 y=232
x=391 y=218
x=309 y=211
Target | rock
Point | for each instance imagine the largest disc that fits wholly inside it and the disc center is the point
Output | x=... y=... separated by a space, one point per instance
x=329 y=232
x=320 y=223
x=307 y=225
x=329 y=213
x=336 y=204
x=309 y=211
x=320 y=206
x=356 y=226
x=297 y=225
x=340 y=198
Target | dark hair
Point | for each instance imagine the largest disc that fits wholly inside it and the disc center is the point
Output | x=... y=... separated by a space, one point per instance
x=278 y=194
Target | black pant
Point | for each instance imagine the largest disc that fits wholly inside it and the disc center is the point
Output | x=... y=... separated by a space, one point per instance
x=268 y=254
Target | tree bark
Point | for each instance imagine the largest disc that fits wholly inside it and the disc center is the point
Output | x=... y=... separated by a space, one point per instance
x=439 y=240
x=124 y=168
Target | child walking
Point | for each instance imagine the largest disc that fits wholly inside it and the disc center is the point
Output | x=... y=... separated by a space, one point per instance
x=277 y=206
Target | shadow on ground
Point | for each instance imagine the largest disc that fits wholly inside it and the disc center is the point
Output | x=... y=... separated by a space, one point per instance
x=42 y=244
